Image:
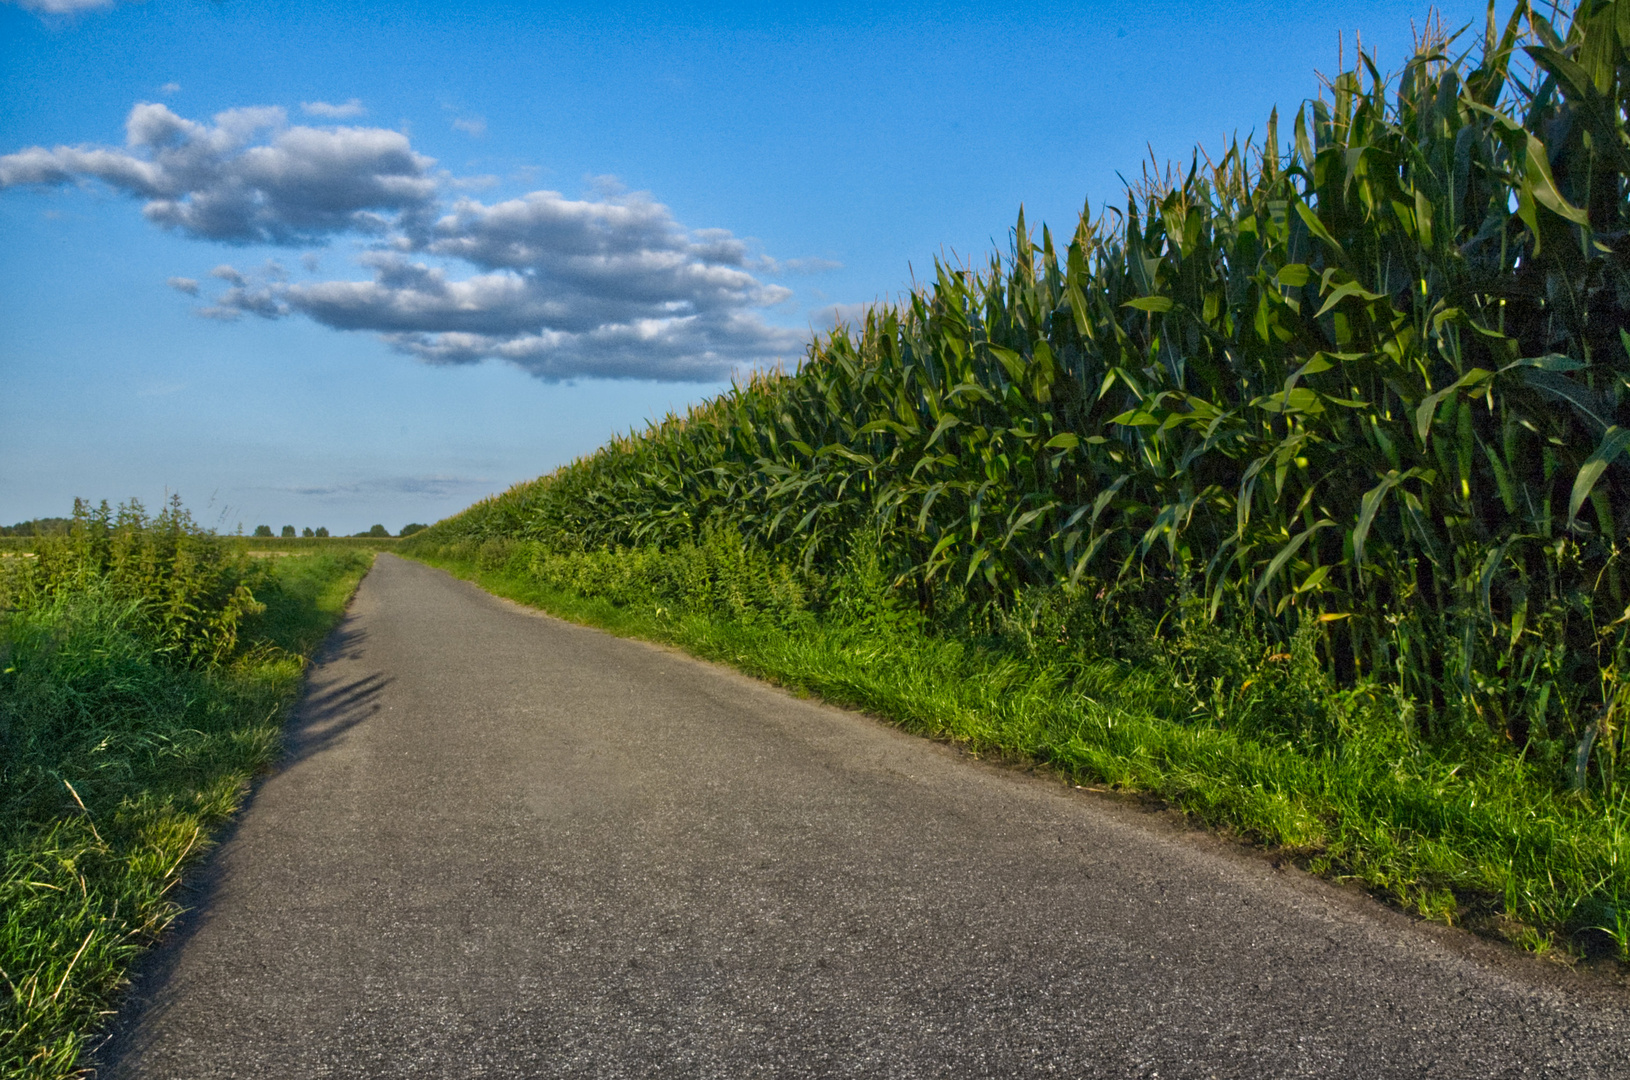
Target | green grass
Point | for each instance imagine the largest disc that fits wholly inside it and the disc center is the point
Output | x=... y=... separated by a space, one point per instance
x=120 y=764
x=1353 y=795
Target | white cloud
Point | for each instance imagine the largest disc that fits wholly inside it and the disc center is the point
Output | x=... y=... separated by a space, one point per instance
x=607 y=285
x=471 y=125
x=249 y=177
x=62 y=7
x=184 y=285
x=170 y=88
x=562 y=288
x=784 y=267
x=333 y=112
x=430 y=487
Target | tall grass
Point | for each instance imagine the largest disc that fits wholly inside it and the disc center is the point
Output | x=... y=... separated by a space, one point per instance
x=145 y=669
x=1356 y=395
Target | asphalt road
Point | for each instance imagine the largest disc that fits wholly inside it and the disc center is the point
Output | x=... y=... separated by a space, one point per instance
x=506 y=846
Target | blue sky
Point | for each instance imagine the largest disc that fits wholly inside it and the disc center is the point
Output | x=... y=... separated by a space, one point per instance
x=337 y=264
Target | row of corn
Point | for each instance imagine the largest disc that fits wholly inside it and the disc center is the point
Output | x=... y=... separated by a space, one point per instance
x=1371 y=377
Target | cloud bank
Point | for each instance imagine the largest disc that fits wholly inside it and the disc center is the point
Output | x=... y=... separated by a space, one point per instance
x=609 y=285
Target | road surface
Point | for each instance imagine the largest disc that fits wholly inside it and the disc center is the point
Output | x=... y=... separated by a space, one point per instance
x=506 y=846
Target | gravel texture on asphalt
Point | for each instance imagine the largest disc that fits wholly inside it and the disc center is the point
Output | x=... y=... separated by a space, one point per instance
x=502 y=845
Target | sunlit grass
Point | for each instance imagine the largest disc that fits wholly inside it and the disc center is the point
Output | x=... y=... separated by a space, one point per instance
x=119 y=765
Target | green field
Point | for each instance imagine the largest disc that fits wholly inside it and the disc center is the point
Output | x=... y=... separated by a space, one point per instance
x=1311 y=455
x=312 y=544
x=146 y=671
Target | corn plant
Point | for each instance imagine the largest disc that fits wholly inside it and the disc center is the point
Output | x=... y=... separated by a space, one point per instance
x=1369 y=379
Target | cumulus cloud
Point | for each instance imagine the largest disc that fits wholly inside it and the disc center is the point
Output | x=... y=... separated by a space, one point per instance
x=248 y=177
x=607 y=285
x=184 y=285
x=333 y=112
x=613 y=288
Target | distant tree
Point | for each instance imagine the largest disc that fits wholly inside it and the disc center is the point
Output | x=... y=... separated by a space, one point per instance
x=263 y=530
x=322 y=530
x=377 y=530
x=409 y=530
x=306 y=531
x=288 y=530
x=36 y=527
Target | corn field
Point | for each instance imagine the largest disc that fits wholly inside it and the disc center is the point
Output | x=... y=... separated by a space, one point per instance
x=1369 y=380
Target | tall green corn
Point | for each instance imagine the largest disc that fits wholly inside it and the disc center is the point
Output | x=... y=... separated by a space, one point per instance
x=1372 y=379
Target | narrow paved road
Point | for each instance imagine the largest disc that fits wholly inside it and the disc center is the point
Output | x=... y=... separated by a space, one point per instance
x=507 y=846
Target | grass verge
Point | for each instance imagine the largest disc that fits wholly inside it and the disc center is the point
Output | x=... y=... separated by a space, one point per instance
x=1468 y=841
x=120 y=767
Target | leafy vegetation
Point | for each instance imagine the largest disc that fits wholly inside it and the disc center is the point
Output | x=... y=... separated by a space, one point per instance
x=1352 y=404
x=145 y=670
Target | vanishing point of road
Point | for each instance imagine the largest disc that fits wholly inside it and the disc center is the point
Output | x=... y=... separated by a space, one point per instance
x=505 y=846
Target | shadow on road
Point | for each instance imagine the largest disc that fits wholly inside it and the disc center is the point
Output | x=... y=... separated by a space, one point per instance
x=323 y=716
x=328 y=712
